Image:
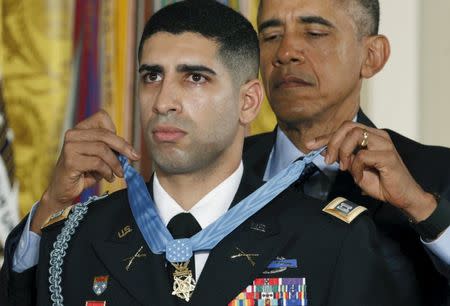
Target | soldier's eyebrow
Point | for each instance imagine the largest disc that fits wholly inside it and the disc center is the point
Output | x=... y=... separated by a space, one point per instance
x=150 y=68
x=195 y=68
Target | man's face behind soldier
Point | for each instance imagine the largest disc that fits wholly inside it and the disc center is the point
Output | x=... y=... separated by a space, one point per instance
x=189 y=103
x=311 y=57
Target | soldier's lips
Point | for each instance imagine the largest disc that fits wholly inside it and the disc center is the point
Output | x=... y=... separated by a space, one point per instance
x=167 y=134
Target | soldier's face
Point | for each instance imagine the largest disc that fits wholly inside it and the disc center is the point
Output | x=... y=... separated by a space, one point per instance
x=189 y=106
x=311 y=57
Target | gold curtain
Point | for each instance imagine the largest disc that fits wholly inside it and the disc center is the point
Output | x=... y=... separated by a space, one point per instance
x=37 y=52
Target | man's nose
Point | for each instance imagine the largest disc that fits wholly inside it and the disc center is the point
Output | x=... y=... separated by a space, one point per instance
x=290 y=50
x=167 y=100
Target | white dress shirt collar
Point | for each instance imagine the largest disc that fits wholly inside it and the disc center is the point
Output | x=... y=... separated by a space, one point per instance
x=212 y=206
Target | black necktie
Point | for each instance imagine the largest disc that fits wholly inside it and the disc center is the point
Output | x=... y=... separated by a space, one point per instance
x=310 y=170
x=181 y=226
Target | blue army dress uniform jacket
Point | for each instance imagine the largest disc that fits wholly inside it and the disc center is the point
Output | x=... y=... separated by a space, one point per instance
x=339 y=262
x=417 y=278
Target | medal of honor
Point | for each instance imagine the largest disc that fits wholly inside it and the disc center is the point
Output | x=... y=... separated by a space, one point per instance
x=183 y=281
x=180 y=251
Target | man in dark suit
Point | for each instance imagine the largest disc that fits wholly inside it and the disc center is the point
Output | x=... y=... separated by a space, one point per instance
x=198 y=91
x=314 y=57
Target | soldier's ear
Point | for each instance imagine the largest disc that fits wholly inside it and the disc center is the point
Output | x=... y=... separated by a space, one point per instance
x=377 y=54
x=251 y=97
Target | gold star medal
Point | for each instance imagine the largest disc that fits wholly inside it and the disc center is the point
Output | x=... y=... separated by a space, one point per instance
x=183 y=281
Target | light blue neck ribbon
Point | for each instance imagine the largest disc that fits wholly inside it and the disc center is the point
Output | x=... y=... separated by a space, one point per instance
x=158 y=237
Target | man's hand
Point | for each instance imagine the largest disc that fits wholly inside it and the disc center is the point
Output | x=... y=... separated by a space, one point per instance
x=86 y=158
x=377 y=168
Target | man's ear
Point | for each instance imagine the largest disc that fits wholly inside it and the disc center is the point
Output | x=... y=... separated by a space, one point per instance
x=251 y=97
x=378 y=51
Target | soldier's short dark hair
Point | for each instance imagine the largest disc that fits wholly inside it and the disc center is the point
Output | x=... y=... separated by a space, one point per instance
x=236 y=38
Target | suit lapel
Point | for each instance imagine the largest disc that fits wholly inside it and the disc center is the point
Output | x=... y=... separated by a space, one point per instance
x=362 y=118
x=146 y=279
x=257 y=155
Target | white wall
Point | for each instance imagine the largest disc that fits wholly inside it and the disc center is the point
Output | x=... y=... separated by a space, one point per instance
x=393 y=94
x=435 y=72
x=410 y=95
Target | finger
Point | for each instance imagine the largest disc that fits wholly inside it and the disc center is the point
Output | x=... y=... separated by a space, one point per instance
x=100 y=150
x=114 y=141
x=338 y=137
x=90 y=179
x=369 y=160
x=352 y=142
x=100 y=119
x=318 y=142
x=84 y=164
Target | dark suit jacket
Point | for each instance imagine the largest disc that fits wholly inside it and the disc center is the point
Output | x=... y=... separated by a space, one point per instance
x=341 y=262
x=404 y=252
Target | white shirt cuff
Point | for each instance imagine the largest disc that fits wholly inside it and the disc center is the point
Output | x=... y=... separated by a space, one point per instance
x=440 y=246
x=27 y=251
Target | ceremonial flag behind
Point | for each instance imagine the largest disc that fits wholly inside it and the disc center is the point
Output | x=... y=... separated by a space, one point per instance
x=37 y=52
x=117 y=35
x=9 y=210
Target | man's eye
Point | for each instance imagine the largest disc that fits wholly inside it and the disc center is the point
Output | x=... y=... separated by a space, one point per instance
x=316 y=34
x=197 y=78
x=152 y=77
x=270 y=37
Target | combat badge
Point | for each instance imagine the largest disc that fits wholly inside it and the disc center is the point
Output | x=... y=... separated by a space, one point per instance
x=343 y=209
x=280 y=264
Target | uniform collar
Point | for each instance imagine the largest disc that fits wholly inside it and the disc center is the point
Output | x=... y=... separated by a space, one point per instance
x=208 y=209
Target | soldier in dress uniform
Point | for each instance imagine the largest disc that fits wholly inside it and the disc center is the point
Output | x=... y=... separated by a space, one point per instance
x=198 y=91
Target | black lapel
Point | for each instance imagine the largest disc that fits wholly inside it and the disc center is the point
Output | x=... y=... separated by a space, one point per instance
x=224 y=277
x=146 y=280
x=362 y=118
x=257 y=151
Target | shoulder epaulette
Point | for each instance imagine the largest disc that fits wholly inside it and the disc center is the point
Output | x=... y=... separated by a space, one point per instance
x=58 y=216
x=64 y=214
x=343 y=209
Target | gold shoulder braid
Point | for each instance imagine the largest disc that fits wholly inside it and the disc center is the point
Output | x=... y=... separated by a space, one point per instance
x=343 y=209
